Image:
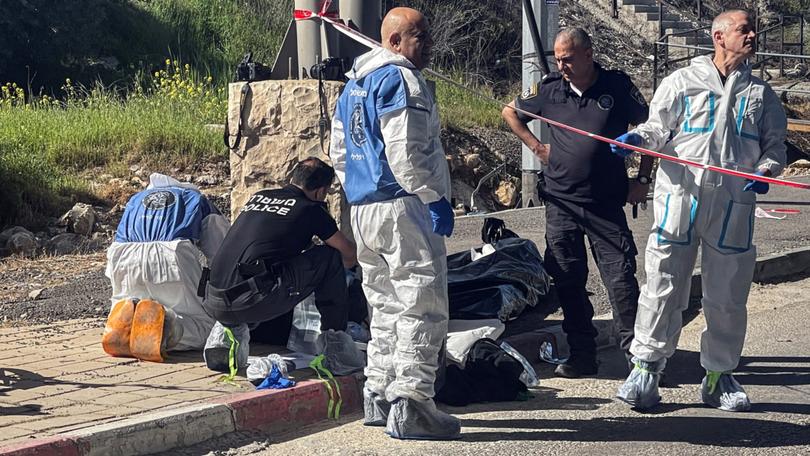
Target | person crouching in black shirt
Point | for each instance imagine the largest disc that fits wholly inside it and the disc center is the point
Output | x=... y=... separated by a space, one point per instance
x=265 y=267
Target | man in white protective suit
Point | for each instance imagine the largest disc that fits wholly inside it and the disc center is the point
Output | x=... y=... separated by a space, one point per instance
x=712 y=112
x=166 y=235
x=387 y=154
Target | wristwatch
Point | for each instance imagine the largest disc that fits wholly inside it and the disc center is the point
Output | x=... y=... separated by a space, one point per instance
x=643 y=180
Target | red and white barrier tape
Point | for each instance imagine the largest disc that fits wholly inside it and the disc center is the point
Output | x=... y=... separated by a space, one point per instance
x=300 y=15
x=359 y=37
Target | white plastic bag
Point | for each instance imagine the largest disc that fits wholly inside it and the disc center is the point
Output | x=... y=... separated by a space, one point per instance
x=306 y=327
x=260 y=367
x=462 y=334
x=529 y=376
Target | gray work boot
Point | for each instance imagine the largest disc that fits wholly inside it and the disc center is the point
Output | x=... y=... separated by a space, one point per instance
x=410 y=419
x=721 y=390
x=640 y=390
x=376 y=408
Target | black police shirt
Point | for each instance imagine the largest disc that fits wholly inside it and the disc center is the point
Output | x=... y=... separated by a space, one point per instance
x=274 y=225
x=582 y=169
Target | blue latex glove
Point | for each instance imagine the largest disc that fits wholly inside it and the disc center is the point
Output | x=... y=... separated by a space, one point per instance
x=443 y=217
x=633 y=139
x=757 y=186
x=274 y=380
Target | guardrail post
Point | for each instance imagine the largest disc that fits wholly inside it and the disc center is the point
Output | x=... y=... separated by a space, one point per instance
x=782 y=45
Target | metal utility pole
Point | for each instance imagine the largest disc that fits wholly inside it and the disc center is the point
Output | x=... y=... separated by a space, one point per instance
x=364 y=16
x=535 y=65
x=309 y=40
x=315 y=42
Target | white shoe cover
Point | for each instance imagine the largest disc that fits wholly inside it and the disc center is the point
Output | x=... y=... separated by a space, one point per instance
x=640 y=390
x=376 y=408
x=721 y=390
x=410 y=419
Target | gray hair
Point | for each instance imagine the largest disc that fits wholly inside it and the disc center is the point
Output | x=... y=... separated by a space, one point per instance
x=723 y=21
x=576 y=35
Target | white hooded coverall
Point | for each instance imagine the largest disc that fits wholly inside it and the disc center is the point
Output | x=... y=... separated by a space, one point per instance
x=738 y=125
x=387 y=154
x=160 y=264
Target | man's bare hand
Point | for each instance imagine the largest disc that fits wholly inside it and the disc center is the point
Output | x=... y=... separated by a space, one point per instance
x=637 y=193
x=542 y=152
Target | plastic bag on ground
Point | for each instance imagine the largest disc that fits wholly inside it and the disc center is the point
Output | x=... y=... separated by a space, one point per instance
x=306 y=327
x=217 y=349
x=259 y=368
x=342 y=355
x=462 y=334
x=529 y=376
x=499 y=285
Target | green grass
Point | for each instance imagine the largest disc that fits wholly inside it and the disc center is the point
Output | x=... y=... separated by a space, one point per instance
x=215 y=34
x=462 y=109
x=47 y=145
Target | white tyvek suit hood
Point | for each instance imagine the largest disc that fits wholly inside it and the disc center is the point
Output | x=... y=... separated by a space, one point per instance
x=370 y=61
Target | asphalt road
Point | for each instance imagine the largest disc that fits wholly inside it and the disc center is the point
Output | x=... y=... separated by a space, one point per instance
x=580 y=416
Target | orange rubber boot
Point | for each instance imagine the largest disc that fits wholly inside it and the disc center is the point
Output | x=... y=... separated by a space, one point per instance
x=115 y=340
x=147 y=331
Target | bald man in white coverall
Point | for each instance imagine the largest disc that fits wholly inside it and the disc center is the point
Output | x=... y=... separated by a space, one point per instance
x=713 y=112
x=387 y=153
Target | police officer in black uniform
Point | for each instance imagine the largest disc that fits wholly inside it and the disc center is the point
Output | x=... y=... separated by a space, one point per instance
x=585 y=188
x=265 y=266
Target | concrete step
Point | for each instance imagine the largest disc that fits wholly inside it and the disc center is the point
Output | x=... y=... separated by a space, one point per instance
x=641 y=8
x=677 y=25
x=690 y=41
x=654 y=16
x=639 y=2
x=701 y=35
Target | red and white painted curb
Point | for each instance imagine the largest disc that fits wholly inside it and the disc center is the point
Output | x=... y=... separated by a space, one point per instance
x=268 y=411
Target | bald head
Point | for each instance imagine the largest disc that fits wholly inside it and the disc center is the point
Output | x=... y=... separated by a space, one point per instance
x=576 y=36
x=405 y=31
x=734 y=37
x=725 y=20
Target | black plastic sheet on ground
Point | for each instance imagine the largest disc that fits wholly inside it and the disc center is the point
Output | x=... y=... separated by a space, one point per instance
x=499 y=285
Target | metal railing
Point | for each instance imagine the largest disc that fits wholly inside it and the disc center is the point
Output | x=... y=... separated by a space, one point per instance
x=662 y=59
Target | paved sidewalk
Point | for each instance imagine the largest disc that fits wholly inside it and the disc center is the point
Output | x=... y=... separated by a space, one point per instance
x=56 y=379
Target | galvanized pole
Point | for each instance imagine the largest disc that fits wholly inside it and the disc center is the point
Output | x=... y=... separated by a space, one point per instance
x=363 y=15
x=547 y=16
x=309 y=38
x=315 y=41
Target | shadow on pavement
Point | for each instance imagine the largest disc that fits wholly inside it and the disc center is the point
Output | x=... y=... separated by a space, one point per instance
x=547 y=396
x=19 y=379
x=725 y=432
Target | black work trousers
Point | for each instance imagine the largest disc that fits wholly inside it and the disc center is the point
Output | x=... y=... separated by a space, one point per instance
x=320 y=270
x=614 y=252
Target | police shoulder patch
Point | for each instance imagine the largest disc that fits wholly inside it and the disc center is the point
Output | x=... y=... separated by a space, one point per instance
x=636 y=95
x=530 y=92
